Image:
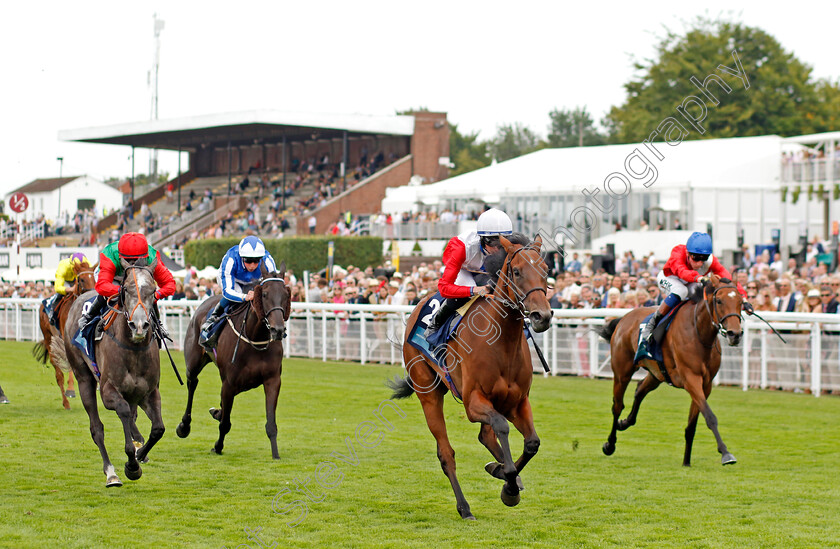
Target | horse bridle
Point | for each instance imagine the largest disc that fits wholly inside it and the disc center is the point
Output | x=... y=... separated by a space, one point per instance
x=88 y=271
x=140 y=303
x=278 y=308
x=717 y=325
x=271 y=338
x=518 y=305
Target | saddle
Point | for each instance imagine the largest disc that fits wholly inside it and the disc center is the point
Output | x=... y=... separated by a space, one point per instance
x=651 y=357
x=85 y=340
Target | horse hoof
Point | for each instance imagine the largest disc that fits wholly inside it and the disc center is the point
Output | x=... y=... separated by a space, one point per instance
x=70 y=394
x=494 y=468
x=183 y=430
x=216 y=414
x=728 y=459
x=113 y=482
x=608 y=448
x=214 y=450
x=508 y=499
x=469 y=517
x=133 y=474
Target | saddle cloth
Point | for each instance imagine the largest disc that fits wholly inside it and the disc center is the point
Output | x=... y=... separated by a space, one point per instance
x=653 y=353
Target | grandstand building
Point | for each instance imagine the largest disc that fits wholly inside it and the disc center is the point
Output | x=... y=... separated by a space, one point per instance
x=223 y=148
x=752 y=184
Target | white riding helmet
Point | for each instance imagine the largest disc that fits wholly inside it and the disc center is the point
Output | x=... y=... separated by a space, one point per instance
x=251 y=246
x=494 y=222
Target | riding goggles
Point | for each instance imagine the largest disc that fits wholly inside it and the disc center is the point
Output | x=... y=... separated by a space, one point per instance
x=699 y=257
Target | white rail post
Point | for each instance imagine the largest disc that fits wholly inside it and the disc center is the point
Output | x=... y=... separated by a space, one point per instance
x=593 y=353
x=391 y=330
x=745 y=358
x=18 y=316
x=324 y=335
x=763 y=384
x=816 y=359
x=363 y=336
x=310 y=333
x=556 y=326
x=338 y=337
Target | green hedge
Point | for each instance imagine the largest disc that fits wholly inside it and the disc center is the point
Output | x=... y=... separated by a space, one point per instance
x=299 y=253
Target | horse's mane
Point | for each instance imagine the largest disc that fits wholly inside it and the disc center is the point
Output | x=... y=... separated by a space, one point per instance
x=494 y=263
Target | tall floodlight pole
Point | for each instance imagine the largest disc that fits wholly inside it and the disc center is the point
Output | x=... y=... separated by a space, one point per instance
x=159 y=24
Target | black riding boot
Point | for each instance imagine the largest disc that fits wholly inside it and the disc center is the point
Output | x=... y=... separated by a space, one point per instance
x=647 y=331
x=206 y=339
x=449 y=306
x=95 y=307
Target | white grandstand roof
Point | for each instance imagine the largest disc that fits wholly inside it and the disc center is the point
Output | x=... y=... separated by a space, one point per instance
x=745 y=162
x=386 y=125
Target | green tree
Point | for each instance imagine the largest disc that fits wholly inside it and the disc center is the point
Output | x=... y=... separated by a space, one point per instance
x=781 y=99
x=466 y=151
x=573 y=128
x=514 y=140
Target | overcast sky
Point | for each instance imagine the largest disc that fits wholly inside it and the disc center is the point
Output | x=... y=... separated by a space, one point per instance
x=69 y=65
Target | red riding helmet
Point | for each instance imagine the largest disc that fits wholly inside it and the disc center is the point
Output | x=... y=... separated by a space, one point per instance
x=133 y=245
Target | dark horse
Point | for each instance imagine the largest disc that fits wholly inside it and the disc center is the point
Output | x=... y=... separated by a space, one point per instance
x=52 y=345
x=128 y=358
x=249 y=353
x=490 y=366
x=692 y=357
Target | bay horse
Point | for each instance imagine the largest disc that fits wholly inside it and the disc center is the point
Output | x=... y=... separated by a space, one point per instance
x=490 y=366
x=128 y=358
x=691 y=354
x=52 y=345
x=249 y=353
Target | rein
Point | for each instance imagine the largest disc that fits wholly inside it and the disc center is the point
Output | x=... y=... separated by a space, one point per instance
x=717 y=325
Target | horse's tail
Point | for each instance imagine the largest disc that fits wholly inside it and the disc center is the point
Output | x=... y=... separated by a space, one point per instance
x=606 y=331
x=39 y=351
x=59 y=354
x=401 y=387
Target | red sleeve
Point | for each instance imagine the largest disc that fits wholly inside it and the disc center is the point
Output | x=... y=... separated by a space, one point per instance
x=453 y=258
x=105 y=281
x=678 y=265
x=164 y=279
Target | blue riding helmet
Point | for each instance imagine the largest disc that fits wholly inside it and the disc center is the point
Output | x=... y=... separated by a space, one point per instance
x=699 y=243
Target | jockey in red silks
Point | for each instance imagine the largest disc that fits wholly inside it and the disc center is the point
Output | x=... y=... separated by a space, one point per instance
x=464 y=255
x=690 y=263
x=135 y=249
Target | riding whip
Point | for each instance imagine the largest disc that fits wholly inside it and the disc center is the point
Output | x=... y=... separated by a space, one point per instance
x=162 y=338
x=540 y=354
x=241 y=331
x=755 y=314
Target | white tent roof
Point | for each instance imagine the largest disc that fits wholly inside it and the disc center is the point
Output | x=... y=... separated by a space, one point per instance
x=743 y=162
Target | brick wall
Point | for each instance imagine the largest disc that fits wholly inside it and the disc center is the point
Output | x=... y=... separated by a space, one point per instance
x=429 y=143
x=363 y=198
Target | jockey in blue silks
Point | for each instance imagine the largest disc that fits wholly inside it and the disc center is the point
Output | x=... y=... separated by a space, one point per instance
x=239 y=271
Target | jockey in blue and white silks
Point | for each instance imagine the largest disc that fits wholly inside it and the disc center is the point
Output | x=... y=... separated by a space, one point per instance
x=238 y=272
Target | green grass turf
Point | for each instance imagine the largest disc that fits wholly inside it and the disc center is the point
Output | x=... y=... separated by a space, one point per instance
x=783 y=492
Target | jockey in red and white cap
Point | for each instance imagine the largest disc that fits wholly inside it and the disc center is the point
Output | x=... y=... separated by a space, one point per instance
x=690 y=263
x=464 y=255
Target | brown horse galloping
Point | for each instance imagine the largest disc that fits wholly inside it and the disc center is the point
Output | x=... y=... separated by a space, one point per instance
x=490 y=366
x=691 y=353
x=249 y=354
x=52 y=345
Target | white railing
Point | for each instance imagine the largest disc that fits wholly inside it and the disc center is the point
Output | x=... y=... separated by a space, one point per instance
x=374 y=333
x=816 y=170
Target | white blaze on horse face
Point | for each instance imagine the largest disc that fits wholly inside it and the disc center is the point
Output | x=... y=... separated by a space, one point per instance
x=731 y=294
